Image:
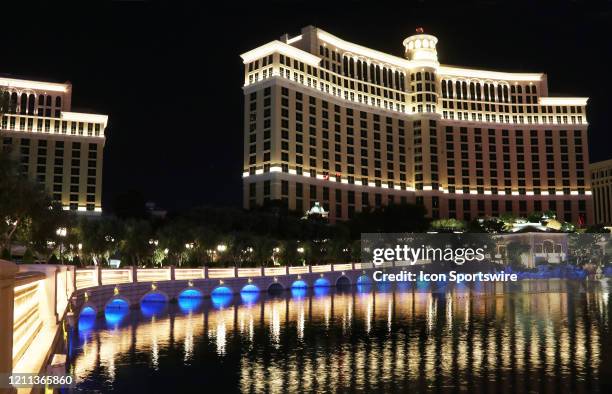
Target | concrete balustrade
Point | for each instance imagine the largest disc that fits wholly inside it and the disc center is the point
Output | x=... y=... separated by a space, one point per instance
x=34 y=299
x=8 y=271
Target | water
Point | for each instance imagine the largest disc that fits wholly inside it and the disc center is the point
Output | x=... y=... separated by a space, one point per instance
x=354 y=341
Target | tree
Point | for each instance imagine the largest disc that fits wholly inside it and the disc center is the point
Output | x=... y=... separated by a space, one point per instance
x=135 y=245
x=25 y=208
x=514 y=251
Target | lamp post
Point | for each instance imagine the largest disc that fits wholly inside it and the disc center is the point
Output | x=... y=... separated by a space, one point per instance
x=61 y=232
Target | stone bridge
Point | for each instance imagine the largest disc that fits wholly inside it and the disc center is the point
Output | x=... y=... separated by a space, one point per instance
x=98 y=288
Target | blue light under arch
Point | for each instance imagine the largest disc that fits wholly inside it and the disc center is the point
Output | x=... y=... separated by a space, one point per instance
x=250 y=288
x=191 y=293
x=190 y=300
x=364 y=280
x=87 y=320
x=364 y=287
x=321 y=282
x=221 y=297
x=116 y=311
x=249 y=297
x=298 y=292
x=299 y=284
x=321 y=291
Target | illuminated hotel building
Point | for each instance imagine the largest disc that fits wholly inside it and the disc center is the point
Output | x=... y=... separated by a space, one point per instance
x=331 y=121
x=57 y=148
x=601 y=176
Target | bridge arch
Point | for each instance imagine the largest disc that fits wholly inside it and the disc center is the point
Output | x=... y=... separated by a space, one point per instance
x=343 y=281
x=190 y=299
x=221 y=296
x=88 y=309
x=321 y=282
x=299 y=284
x=116 y=310
x=154 y=296
x=250 y=288
x=190 y=292
x=275 y=287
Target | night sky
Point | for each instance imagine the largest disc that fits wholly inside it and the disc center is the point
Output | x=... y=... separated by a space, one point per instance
x=170 y=77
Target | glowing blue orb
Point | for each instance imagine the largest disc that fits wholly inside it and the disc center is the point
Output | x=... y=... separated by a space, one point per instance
x=249 y=297
x=189 y=304
x=221 y=297
x=116 y=311
x=299 y=284
x=250 y=289
x=298 y=292
x=321 y=282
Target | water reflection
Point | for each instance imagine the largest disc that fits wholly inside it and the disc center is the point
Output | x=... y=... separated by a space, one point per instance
x=360 y=340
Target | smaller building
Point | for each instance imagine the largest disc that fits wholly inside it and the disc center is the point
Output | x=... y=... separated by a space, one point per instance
x=601 y=176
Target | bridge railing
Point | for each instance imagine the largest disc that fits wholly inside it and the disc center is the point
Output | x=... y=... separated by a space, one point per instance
x=116 y=276
x=41 y=294
x=89 y=277
x=219 y=273
x=188 y=273
x=153 y=274
x=248 y=272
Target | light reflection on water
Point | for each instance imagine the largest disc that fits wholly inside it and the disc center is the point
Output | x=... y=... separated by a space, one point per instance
x=359 y=340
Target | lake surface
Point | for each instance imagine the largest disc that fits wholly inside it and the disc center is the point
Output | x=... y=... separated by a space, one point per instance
x=357 y=340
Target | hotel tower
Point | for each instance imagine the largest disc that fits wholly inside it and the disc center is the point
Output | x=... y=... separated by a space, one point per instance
x=58 y=148
x=330 y=121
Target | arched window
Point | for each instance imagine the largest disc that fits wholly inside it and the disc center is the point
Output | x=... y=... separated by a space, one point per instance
x=390 y=78
x=372 y=73
x=352 y=67
x=505 y=93
x=41 y=99
x=527 y=89
x=384 y=75
x=397 y=81
x=458 y=89
x=444 y=89
x=533 y=90
x=472 y=91
x=486 y=92
x=31 y=104
x=13 y=103
x=500 y=94
x=58 y=102
x=24 y=104
x=478 y=91
x=519 y=89
x=345 y=68
x=48 y=101
x=403 y=82
x=491 y=92
x=359 y=69
x=365 y=71
x=450 y=89
x=464 y=89
x=5 y=101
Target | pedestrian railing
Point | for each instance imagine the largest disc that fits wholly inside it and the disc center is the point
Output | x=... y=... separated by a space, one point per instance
x=89 y=277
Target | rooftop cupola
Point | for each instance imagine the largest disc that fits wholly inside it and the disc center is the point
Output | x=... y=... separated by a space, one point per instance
x=421 y=47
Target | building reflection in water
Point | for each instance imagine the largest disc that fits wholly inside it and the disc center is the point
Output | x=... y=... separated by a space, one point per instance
x=368 y=340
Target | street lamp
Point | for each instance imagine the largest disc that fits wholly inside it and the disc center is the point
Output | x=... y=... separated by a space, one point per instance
x=61 y=232
x=221 y=248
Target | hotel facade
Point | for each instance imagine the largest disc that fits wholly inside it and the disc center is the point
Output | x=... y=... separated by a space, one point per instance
x=60 y=149
x=330 y=121
x=601 y=177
